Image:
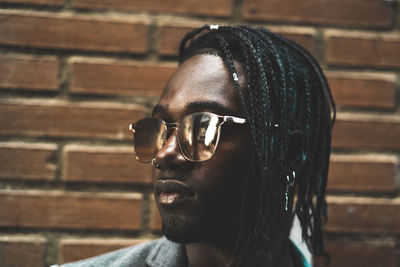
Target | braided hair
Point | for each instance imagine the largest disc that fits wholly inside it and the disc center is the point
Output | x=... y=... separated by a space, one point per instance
x=285 y=87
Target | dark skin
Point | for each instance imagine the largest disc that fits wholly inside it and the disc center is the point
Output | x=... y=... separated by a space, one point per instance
x=202 y=83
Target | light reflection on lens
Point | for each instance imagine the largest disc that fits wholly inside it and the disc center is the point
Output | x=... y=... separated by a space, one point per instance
x=211 y=130
x=198 y=134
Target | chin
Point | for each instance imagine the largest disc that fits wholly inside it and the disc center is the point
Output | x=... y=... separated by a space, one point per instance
x=182 y=230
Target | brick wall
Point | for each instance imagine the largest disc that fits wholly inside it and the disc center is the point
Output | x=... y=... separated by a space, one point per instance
x=73 y=74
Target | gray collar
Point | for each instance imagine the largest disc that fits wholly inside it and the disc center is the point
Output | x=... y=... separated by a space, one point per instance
x=167 y=254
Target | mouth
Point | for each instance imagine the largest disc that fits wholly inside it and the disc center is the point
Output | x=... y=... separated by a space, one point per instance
x=172 y=192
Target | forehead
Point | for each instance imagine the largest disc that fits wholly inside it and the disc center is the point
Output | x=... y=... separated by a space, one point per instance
x=200 y=79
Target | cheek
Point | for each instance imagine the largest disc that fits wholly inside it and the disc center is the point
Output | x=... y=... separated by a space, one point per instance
x=234 y=155
x=226 y=171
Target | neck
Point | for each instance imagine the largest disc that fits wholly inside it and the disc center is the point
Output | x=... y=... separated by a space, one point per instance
x=280 y=249
x=200 y=255
x=208 y=255
x=281 y=254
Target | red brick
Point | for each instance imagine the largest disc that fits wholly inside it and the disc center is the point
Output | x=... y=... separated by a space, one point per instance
x=55 y=209
x=27 y=161
x=104 y=164
x=170 y=38
x=366 y=50
x=363 y=215
x=366 y=132
x=364 y=90
x=196 y=7
x=171 y=35
x=73 y=33
x=62 y=119
x=54 y=3
x=334 y=12
x=22 y=251
x=360 y=173
x=122 y=78
x=78 y=249
x=353 y=254
x=29 y=73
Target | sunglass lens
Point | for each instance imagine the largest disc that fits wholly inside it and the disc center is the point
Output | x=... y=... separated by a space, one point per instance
x=148 y=138
x=198 y=135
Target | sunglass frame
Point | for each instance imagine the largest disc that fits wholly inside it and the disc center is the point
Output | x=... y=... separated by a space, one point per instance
x=175 y=125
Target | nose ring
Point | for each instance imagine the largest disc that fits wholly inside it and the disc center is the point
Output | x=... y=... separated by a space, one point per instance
x=155 y=164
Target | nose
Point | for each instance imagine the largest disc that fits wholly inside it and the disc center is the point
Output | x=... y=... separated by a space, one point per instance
x=170 y=156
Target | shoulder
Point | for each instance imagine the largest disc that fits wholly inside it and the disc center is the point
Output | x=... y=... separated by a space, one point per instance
x=134 y=256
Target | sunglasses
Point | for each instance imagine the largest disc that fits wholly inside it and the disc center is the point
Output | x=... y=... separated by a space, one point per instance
x=198 y=135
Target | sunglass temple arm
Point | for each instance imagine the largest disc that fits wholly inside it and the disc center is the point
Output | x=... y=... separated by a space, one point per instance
x=234 y=119
x=241 y=120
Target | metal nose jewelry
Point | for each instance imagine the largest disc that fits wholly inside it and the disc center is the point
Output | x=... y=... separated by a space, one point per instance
x=155 y=164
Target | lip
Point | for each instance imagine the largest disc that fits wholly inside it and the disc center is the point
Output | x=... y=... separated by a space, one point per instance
x=172 y=192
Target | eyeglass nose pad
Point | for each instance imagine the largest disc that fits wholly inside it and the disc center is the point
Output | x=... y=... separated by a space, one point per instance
x=170 y=150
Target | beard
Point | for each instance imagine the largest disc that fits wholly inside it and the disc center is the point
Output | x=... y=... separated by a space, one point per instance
x=185 y=230
x=182 y=230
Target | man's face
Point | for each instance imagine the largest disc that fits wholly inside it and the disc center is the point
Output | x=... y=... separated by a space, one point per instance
x=200 y=201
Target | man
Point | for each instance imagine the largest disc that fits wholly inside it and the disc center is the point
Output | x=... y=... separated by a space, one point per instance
x=242 y=127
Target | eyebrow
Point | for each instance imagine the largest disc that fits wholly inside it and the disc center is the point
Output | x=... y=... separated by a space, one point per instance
x=160 y=109
x=199 y=106
x=212 y=106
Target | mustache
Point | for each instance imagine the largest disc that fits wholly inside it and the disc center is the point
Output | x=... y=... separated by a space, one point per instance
x=173 y=186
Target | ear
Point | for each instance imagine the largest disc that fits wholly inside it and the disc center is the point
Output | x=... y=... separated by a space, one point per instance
x=296 y=150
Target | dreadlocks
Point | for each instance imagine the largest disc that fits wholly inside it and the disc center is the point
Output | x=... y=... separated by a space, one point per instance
x=285 y=87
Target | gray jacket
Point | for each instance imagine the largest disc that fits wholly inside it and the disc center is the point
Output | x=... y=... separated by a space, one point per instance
x=158 y=253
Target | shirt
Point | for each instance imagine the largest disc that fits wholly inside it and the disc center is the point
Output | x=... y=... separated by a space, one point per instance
x=158 y=253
